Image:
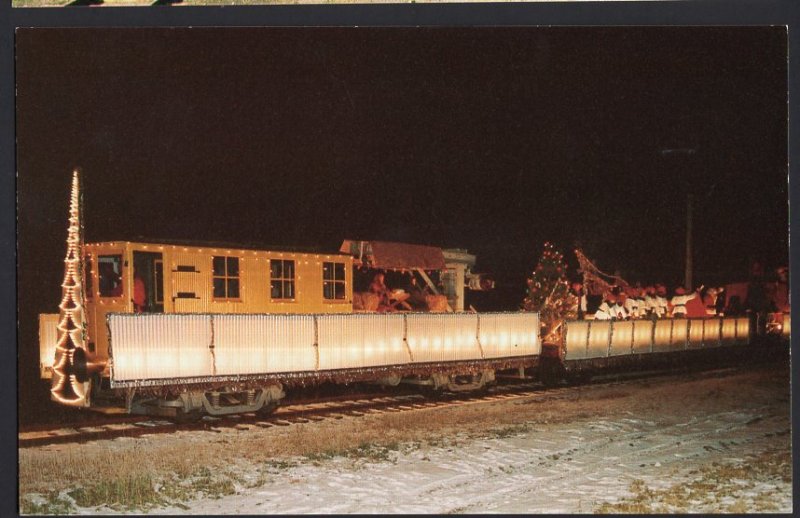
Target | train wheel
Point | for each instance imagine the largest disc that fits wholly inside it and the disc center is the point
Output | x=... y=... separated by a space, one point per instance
x=550 y=372
x=192 y=416
x=268 y=409
x=580 y=377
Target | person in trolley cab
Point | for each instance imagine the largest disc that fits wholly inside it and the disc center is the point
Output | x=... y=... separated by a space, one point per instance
x=378 y=287
x=139 y=295
x=116 y=291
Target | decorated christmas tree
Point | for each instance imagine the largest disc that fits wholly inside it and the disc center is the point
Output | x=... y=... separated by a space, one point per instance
x=548 y=293
x=71 y=347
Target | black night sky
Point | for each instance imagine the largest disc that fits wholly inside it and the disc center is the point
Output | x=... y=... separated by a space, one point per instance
x=490 y=139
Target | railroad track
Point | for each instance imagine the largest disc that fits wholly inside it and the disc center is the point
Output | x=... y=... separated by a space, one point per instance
x=340 y=407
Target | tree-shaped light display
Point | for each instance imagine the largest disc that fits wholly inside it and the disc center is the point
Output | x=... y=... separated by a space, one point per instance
x=548 y=293
x=69 y=384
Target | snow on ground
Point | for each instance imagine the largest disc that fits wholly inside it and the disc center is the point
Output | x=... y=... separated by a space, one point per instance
x=547 y=468
x=699 y=444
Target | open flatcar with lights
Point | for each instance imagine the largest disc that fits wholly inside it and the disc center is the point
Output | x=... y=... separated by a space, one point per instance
x=180 y=330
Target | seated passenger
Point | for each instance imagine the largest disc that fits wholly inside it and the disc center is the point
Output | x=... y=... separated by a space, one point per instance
x=604 y=311
x=581 y=300
x=640 y=299
x=709 y=298
x=378 y=287
x=631 y=304
x=416 y=297
x=661 y=299
x=617 y=310
x=365 y=301
x=695 y=308
x=679 y=302
x=651 y=305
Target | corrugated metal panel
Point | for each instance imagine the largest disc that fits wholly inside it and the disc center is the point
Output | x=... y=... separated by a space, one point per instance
x=509 y=334
x=742 y=330
x=577 y=333
x=729 y=331
x=437 y=337
x=642 y=336
x=662 y=338
x=680 y=333
x=48 y=338
x=695 y=333
x=160 y=346
x=360 y=340
x=621 y=338
x=598 y=339
x=261 y=344
x=711 y=327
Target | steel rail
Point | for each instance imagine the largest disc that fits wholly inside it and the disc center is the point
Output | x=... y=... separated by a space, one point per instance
x=340 y=407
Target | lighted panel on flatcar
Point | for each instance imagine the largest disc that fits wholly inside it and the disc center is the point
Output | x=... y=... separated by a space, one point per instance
x=128 y=277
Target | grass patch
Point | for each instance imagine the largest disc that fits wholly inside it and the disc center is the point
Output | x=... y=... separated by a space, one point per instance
x=201 y=483
x=51 y=503
x=367 y=451
x=717 y=488
x=134 y=491
x=509 y=431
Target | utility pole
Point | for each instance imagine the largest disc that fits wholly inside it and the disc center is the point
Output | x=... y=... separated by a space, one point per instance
x=688 y=274
x=685 y=152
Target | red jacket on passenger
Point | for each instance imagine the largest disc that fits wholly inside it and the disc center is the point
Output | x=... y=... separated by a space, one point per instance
x=695 y=308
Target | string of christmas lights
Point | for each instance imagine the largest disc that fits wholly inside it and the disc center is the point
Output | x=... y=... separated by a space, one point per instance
x=548 y=293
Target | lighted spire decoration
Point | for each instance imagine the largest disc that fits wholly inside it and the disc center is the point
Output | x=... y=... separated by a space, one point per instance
x=69 y=384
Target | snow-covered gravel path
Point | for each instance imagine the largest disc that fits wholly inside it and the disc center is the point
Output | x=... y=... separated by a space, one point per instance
x=546 y=468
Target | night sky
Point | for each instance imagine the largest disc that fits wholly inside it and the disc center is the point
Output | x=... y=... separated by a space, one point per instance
x=490 y=139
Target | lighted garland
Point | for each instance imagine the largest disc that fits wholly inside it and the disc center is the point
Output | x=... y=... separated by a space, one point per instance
x=66 y=388
x=548 y=293
x=595 y=281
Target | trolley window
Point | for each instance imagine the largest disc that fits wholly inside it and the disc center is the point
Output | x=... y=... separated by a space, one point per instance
x=281 y=272
x=109 y=269
x=333 y=281
x=226 y=277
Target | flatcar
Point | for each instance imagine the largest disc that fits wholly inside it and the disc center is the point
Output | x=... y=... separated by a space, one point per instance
x=180 y=330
